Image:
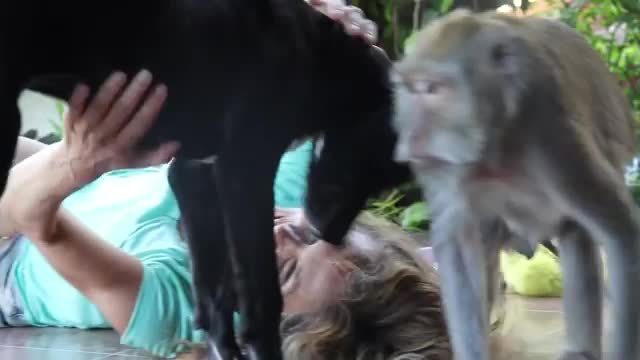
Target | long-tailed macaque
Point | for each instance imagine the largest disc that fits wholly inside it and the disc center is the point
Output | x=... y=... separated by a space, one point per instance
x=518 y=121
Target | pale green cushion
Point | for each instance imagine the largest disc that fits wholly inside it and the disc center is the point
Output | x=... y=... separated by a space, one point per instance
x=539 y=276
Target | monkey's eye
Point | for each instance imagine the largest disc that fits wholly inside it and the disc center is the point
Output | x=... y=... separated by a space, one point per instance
x=424 y=87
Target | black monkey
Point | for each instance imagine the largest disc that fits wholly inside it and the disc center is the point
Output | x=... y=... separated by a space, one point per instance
x=245 y=79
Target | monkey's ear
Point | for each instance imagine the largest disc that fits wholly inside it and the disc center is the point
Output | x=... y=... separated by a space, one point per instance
x=508 y=58
x=504 y=56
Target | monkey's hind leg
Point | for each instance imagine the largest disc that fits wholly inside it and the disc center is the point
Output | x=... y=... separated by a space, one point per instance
x=494 y=236
x=194 y=185
x=605 y=209
x=457 y=244
x=580 y=261
x=247 y=198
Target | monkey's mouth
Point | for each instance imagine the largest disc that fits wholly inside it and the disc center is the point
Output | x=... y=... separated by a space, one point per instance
x=425 y=161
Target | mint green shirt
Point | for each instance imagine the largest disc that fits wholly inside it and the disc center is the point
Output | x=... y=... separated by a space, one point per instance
x=135 y=210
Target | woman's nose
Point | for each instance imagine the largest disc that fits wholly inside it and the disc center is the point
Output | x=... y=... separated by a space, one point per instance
x=284 y=237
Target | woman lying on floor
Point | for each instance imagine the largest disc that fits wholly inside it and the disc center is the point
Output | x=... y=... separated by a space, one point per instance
x=92 y=240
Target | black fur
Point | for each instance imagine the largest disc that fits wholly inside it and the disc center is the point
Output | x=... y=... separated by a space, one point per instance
x=245 y=79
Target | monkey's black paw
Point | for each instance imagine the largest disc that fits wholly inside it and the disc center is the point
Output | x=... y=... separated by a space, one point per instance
x=223 y=351
x=571 y=355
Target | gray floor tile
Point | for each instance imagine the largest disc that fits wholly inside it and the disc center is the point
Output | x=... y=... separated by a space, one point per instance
x=533 y=330
x=93 y=341
x=18 y=353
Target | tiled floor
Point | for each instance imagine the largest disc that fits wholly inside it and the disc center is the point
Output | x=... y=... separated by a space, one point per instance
x=534 y=328
x=63 y=344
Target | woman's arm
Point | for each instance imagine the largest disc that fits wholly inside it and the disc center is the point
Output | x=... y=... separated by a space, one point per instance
x=26 y=147
x=109 y=277
x=31 y=204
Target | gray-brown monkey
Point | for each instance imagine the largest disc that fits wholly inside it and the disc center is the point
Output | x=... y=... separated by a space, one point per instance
x=517 y=121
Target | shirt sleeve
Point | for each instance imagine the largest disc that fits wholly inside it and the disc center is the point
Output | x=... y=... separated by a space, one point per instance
x=290 y=184
x=162 y=319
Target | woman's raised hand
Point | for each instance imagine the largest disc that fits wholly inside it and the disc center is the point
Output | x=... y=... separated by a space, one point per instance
x=101 y=135
x=351 y=17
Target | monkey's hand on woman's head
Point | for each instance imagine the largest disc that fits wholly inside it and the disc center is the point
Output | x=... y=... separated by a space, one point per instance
x=352 y=17
x=519 y=121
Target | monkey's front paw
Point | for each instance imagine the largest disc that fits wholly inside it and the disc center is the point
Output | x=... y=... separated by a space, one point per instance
x=570 y=355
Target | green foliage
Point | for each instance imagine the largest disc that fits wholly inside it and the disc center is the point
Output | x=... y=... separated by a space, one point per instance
x=57 y=124
x=612 y=27
x=633 y=180
x=635 y=191
x=387 y=205
x=416 y=217
x=399 y=206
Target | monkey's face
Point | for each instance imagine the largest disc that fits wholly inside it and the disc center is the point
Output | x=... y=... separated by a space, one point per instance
x=435 y=116
x=458 y=89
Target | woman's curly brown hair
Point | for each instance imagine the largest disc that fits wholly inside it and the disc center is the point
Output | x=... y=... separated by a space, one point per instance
x=391 y=308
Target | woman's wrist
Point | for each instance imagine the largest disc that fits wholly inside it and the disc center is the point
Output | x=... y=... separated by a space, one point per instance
x=35 y=190
x=51 y=174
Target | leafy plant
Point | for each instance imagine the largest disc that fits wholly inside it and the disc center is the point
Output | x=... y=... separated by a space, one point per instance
x=61 y=108
x=412 y=215
x=612 y=27
x=387 y=205
x=56 y=124
x=416 y=217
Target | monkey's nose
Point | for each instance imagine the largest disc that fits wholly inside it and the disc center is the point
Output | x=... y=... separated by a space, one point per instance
x=401 y=153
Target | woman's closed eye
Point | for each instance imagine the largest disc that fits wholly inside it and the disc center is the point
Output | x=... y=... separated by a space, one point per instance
x=289 y=277
x=288 y=270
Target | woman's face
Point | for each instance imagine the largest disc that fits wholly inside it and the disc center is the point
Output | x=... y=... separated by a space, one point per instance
x=311 y=274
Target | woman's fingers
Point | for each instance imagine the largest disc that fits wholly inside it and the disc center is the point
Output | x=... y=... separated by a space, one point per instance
x=126 y=104
x=354 y=22
x=369 y=30
x=317 y=3
x=335 y=12
x=357 y=25
x=352 y=18
x=143 y=119
x=77 y=104
x=323 y=5
x=103 y=99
